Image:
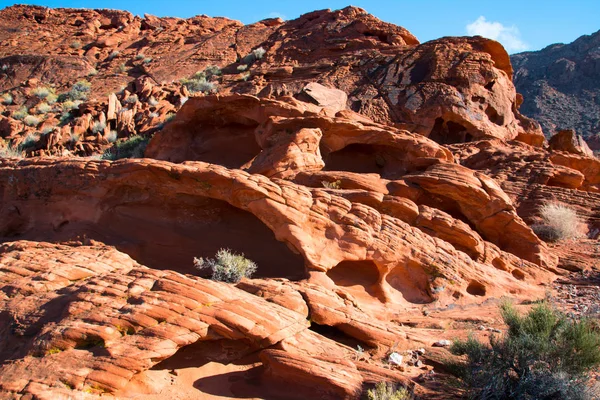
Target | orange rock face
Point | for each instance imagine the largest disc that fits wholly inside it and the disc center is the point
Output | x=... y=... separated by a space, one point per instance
x=385 y=189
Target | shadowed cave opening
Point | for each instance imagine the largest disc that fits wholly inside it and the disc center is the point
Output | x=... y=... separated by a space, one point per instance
x=449 y=132
x=167 y=233
x=366 y=159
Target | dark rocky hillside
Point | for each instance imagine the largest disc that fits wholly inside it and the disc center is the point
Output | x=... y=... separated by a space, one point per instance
x=561 y=86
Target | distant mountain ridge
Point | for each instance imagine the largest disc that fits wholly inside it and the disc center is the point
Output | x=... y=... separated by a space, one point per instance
x=561 y=86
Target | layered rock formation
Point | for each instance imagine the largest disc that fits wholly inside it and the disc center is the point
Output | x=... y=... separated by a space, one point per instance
x=560 y=86
x=385 y=189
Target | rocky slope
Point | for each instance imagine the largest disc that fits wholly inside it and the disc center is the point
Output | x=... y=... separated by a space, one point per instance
x=561 y=86
x=385 y=189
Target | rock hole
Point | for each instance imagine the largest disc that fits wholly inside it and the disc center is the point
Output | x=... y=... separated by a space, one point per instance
x=494 y=116
x=419 y=71
x=366 y=159
x=499 y=263
x=476 y=289
x=412 y=282
x=490 y=84
x=449 y=132
x=517 y=273
x=361 y=276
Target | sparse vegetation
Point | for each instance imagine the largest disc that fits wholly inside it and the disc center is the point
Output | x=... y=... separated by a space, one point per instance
x=31 y=120
x=242 y=67
x=29 y=141
x=132 y=99
x=42 y=92
x=254 y=55
x=559 y=222
x=227 y=266
x=200 y=81
x=544 y=355
x=76 y=44
x=79 y=91
x=112 y=136
x=132 y=147
x=147 y=60
x=140 y=56
x=113 y=54
x=332 y=185
x=7 y=99
x=98 y=126
x=70 y=105
x=152 y=101
x=388 y=391
x=122 y=68
x=93 y=72
x=44 y=108
x=7 y=151
x=21 y=113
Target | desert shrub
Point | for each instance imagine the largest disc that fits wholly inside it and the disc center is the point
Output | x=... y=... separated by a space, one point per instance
x=227 y=266
x=76 y=44
x=559 y=222
x=170 y=117
x=93 y=72
x=51 y=98
x=7 y=99
x=147 y=60
x=242 y=67
x=254 y=55
x=98 y=126
x=7 y=151
x=544 y=355
x=195 y=85
x=153 y=115
x=21 y=113
x=74 y=138
x=152 y=101
x=113 y=54
x=112 y=136
x=140 y=56
x=31 y=120
x=332 y=185
x=212 y=70
x=132 y=99
x=70 y=105
x=42 y=92
x=132 y=147
x=122 y=68
x=388 y=391
x=79 y=91
x=44 y=108
x=30 y=140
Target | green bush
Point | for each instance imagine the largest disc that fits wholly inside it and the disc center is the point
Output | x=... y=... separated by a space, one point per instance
x=544 y=355
x=7 y=99
x=79 y=91
x=98 y=126
x=44 y=108
x=7 y=151
x=42 y=92
x=21 y=113
x=227 y=266
x=31 y=120
x=132 y=147
x=388 y=391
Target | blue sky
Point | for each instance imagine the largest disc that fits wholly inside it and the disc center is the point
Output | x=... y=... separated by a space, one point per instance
x=519 y=25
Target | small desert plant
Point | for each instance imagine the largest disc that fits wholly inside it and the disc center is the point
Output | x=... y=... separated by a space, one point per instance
x=93 y=72
x=559 y=222
x=113 y=54
x=98 y=126
x=152 y=101
x=211 y=71
x=254 y=55
x=147 y=60
x=170 y=117
x=112 y=136
x=132 y=147
x=242 y=67
x=76 y=44
x=70 y=105
x=51 y=98
x=31 y=120
x=21 y=113
x=227 y=266
x=74 y=138
x=153 y=115
x=5 y=67
x=132 y=99
x=44 y=108
x=544 y=355
x=42 y=92
x=48 y=129
x=195 y=85
x=30 y=140
x=10 y=152
x=388 y=391
x=79 y=91
x=332 y=185
x=140 y=56
x=122 y=68
x=7 y=99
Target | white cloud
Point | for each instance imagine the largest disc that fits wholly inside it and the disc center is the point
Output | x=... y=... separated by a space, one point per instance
x=276 y=14
x=509 y=36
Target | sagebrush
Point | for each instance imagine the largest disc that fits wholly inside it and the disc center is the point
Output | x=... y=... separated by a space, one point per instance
x=388 y=391
x=559 y=222
x=543 y=355
x=227 y=266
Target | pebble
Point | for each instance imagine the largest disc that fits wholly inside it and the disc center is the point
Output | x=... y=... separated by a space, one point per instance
x=442 y=343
